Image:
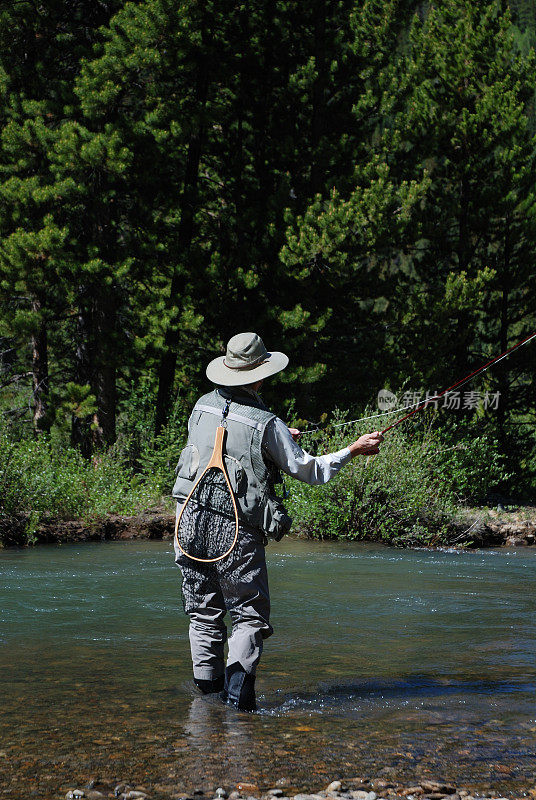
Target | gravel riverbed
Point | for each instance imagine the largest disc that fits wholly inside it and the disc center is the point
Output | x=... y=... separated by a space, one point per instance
x=349 y=789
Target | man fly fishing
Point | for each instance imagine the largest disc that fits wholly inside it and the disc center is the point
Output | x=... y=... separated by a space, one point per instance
x=257 y=447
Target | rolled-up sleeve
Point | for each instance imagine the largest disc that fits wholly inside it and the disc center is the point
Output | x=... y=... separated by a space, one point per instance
x=287 y=454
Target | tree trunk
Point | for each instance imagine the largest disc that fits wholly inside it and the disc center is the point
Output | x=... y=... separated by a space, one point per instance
x=188 y=205
x=41 y=420
x=461 y=361
x=106 y=405
x=105 y=371
x=96 y=366
x=80 y=426
x=319 y=99
x=503 y=341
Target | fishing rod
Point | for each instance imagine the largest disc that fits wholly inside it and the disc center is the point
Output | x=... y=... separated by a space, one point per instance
x=461 y=382
x=419 y=406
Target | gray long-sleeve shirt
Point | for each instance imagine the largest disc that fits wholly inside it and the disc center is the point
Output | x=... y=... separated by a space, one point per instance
x=279 y=446
x=287 y=454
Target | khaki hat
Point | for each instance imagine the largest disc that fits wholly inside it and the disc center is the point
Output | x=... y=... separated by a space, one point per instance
x=246 y=361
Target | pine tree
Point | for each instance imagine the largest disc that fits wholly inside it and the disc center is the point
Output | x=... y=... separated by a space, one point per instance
x=340 y=251
x=40 y=47
x=464 y=114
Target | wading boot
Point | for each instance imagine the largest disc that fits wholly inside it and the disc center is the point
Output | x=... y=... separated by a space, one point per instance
x=239 y=688
x=209 y=686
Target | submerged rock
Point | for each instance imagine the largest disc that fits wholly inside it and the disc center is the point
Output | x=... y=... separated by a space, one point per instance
x=438 y=788
x=308 y=797
x=334 y=786
x=134 y=794
x=249 y=788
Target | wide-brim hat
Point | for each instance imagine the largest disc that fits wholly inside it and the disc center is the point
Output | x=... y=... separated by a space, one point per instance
x=246 y=361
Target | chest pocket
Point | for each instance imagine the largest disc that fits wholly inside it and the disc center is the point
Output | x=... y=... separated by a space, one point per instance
x=188 y=463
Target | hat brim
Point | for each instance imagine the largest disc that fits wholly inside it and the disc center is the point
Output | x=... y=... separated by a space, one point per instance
x=221 y=375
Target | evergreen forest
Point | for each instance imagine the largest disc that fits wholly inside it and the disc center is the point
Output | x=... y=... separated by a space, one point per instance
x=354 y=180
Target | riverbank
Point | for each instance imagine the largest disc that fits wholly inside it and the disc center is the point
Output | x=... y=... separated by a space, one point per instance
x=473 y=528
x=351 y=789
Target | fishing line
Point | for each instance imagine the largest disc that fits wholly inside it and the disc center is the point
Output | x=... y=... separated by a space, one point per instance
x=462 y=381
x=363 y=419
x=420 y=405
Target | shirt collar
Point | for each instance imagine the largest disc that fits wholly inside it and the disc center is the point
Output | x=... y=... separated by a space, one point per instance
x=243 y=394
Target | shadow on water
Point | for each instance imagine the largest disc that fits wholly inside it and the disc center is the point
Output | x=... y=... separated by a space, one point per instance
x=348 y=697
x=210 y=722
x=403 y=725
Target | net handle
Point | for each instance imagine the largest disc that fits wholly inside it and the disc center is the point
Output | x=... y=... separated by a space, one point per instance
x=216 y=462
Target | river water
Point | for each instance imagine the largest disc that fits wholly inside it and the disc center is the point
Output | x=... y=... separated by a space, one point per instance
x=384 y=663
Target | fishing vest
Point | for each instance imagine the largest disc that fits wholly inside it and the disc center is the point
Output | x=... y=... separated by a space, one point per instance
x=252 y=478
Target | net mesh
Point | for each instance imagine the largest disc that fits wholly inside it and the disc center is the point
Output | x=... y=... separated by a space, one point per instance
x=208 y=524
x=207 y=530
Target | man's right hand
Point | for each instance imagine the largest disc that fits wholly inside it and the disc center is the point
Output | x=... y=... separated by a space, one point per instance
x=366 y=445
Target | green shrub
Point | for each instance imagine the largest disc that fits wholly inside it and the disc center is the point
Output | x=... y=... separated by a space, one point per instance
x=472 y=467
x=145 y=453
x=40 y=476
x=409 y=492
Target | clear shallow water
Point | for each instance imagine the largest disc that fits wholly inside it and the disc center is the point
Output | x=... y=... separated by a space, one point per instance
x=383 y=663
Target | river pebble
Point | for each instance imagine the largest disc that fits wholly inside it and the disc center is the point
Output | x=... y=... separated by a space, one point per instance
x=334 y=786
x=434 y=786
x=249 y=788
x=134 y=794
x=308 y=797
x=383 y=790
